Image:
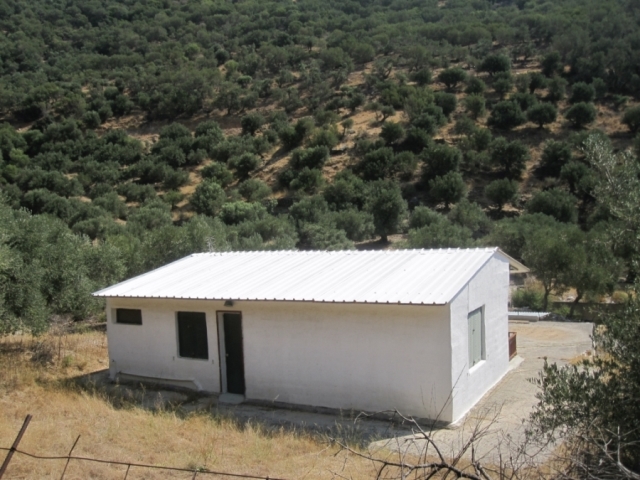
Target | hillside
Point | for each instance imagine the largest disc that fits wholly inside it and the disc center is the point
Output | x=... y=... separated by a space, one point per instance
x=138 y=132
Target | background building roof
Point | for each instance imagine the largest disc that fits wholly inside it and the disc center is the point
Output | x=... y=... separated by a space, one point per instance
x=399 y=276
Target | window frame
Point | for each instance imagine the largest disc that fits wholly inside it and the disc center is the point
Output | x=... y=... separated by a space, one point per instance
x=117 y=316
x=205 y=337
x=473 y=361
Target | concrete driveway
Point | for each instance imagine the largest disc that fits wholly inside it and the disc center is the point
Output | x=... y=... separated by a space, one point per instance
x=502 y=412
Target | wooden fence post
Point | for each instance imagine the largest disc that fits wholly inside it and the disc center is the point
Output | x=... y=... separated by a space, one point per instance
x=5 y=464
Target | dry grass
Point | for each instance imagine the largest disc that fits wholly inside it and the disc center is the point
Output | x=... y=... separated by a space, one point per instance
x=36 y=376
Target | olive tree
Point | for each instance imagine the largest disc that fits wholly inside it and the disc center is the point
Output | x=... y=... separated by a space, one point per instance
x=501 y=192
x=387 y=206
x=542 y=114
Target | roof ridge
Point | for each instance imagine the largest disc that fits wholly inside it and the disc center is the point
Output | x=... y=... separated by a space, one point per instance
x=350 y=252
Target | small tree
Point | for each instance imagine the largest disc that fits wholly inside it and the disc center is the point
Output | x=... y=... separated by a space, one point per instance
x=218 y=172
x=631 y=119
x=347 y=124
x=551 y=64
x=244 y=164
x=422 y=77
x=446 y=101
x=555 y=203
x=522 y=83
x=314 y=157
x=542 y=114
x=440 y=234
x=309 y=180
x=501 y=192
x=251 y=123
x=600 y=87
x=451 y=77
x=506 y=115
x=493 y=64
x=554 y=156
x=503 y=84
x=581 y=114
x=582 y=92
x=387 y=206
x=391 y=132
x=377 y=164
x=475 y=86
x=354 y=101
x=550 y=254
x=537 y=81
x=579 y=178
x=595 y=269
x=447 y=189
x=475 y=105
x=173 y=197
x=440 y=160
x=386 y=111
x=254 y=190
x=208 y=198
x=556 y=89
x=511 y=156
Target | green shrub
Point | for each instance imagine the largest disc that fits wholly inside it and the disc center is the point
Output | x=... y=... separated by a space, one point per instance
x=501 y=192
x=218 y=172
x=244 y=164
x=528 y=298
x=254 y=190
x=208 y=198
x=631 y=119
x=542 y=114
x=581 y=114
x=447 y=189
x=475 y=105
x=440 y=160
x=582 y=92
x=555 y=203
x=506 y=115
x=314 y=157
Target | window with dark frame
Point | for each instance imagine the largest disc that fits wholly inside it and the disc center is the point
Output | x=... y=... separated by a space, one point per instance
x=192 y=335
x=476 y=337
x=129 y=316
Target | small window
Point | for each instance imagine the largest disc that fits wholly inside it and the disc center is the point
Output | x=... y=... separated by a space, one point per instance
x=192 y=335
x=129 y=316
x=476 y=337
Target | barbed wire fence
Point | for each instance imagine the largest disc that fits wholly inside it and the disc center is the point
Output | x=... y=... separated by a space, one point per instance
x=129 y=465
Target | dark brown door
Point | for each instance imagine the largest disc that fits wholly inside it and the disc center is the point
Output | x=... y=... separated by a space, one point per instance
x=234 y=356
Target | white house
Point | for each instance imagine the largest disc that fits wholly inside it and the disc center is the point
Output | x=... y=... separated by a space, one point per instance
x=424 y=332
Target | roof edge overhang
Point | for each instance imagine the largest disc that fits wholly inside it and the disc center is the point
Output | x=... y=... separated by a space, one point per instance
x=282 y=300
x=514 y=265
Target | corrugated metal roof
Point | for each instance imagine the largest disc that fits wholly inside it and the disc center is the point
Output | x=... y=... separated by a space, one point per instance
x=397 y=276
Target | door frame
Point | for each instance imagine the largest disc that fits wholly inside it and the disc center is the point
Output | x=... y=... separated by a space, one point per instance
x=222 y=358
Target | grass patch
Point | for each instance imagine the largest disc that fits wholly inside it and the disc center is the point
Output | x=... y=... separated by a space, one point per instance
x=40 y=376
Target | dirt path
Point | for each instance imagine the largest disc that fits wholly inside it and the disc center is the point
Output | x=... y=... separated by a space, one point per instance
x=504 y=409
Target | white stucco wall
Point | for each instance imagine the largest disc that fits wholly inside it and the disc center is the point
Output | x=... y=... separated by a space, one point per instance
x=489 y=289
x=362 y=357
x=151 y=349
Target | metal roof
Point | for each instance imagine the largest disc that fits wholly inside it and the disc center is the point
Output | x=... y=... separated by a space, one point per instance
x=419 y=277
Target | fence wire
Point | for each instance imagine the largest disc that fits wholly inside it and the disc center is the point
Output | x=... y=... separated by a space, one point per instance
x=129 y=465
